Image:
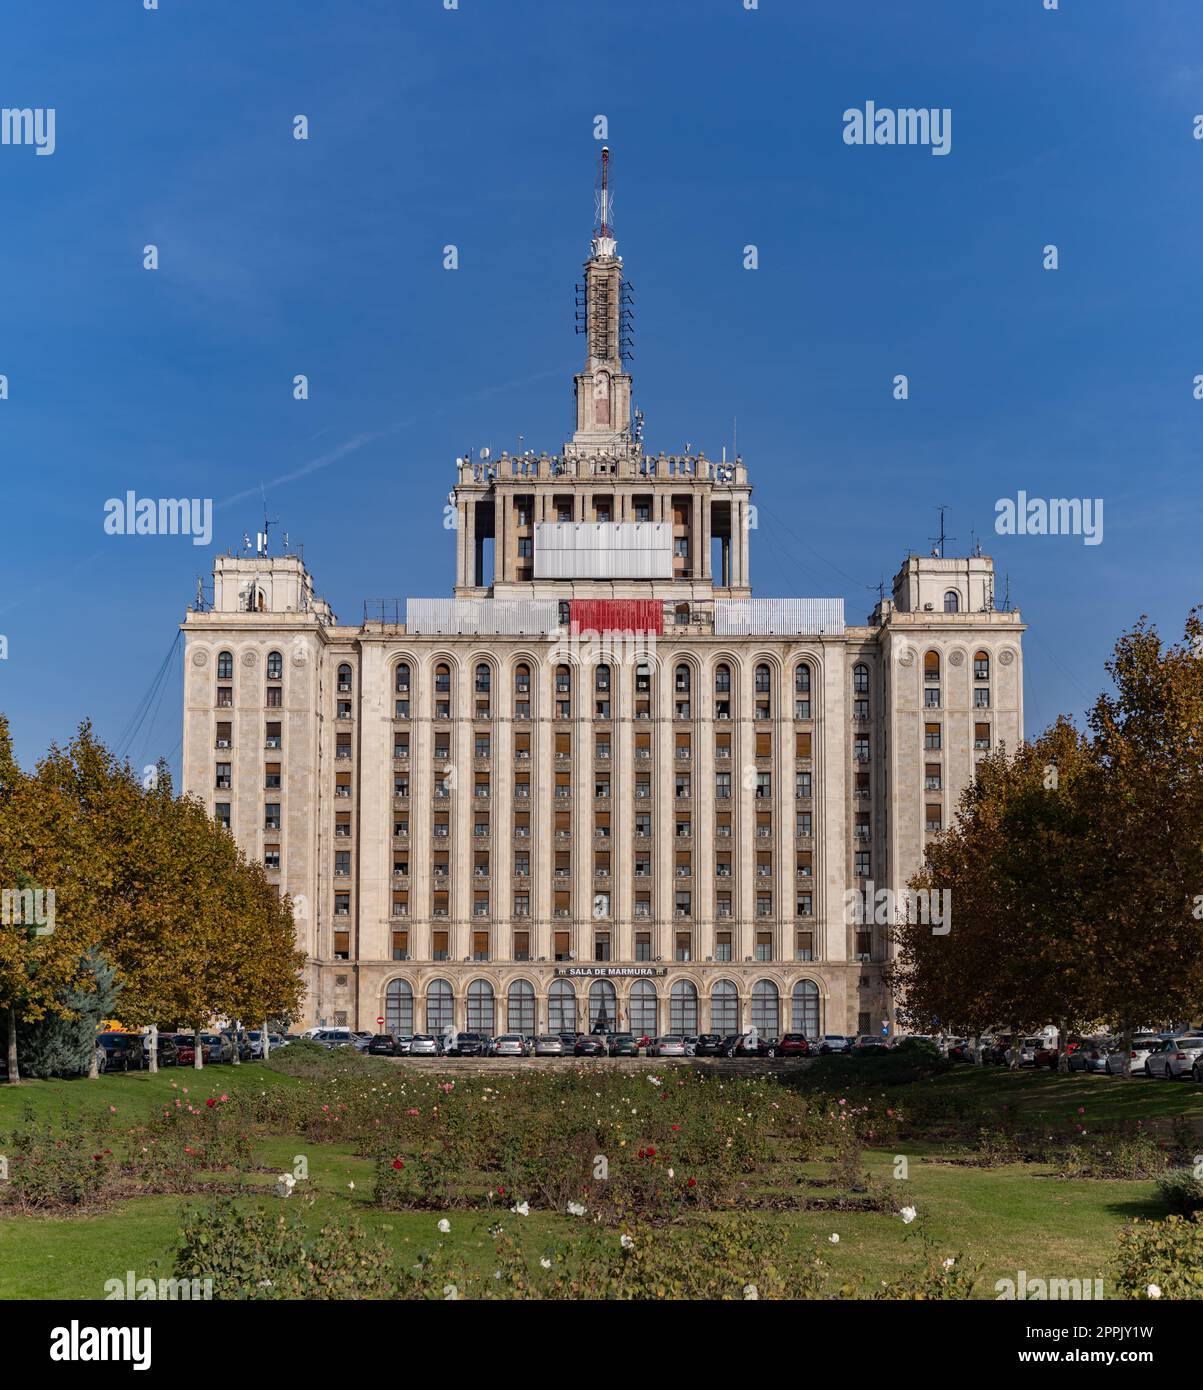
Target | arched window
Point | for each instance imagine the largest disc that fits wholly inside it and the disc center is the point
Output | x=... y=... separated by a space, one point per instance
x=563 y=680
x=442 y=679
x=681 y=679
x=522 y=679
x=480 y=1007
x=561 y=1007
x=344 y=679
x=520 y=1008
x=275 y=666
x=225 y=666
x=399 y=1008
x=981 y=666
x=805 y=1013
x=602 y=679
x=766 y=1008
x=952 y=601
x=860 y=678
x=643 y=679
x=763 y=679
x=484 y=678
x=643 y=1009
x=931 y=666
x=724 y=1008
x=683 y=1008
x=440 y=1006
x=603 y=1006
x=722 y=679
x=802 y=679
x=401 y=678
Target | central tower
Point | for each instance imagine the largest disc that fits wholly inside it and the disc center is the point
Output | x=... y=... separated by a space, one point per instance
x=603 y=387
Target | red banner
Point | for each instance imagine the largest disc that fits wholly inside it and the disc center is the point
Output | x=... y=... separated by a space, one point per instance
x=615 y=615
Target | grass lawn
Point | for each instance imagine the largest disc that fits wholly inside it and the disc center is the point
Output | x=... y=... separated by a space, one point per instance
x=1004 y=1219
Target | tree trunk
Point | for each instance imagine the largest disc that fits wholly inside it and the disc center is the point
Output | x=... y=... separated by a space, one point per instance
x=154 y=1048
x=237 y=1060
x=1127 y=1043
x=267 y=1047
x=1013 y=1064
x=93 y=1065
x=14 y=1076
x=1062 y=1049
x=198 y=1052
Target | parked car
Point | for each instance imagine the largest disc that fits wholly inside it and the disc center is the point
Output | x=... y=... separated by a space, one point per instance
x=165 y=1048
x=671 y=1045
x=589 y=1045
x=404 y=1042
x=216 y=1048
x=567 y=1042
x=867 y=1044
x=708 y=1045
x=691 y=1041
x=794 y=1045
x=468 y=1045
x=548 y=1045
x=1091 y=1054
x=509 y=1045
x=833 y=1043
x=1143 y=1045
x=384 y=1045
x=645 y=1041
x=960 y=1050
x=123 y=1051
x=624 y=1045
x=1176 y=1058
x=240 y=1041
x=764 y=1047
x=185 y=1049
x=333 y=1037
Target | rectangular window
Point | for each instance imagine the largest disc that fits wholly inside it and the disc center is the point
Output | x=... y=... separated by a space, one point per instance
x=804 y=945
x=275 y=697
x=222 y=780
x=271 y=776
x=221 y=814
x=802 y=785
x=643 y=945
x=981 y=737
x=764 y=945
x=864 y=945
x=271 y=857
x=224 y=735
x=438 y=945
x=522 y=945
x=931 y=737
x=272 y=737
x=342 y=863
x=722 y=946
x=981 y=697
x=271 y=816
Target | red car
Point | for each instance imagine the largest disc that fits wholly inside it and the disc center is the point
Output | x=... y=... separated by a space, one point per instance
x=794 y=1045
x=187 y=1048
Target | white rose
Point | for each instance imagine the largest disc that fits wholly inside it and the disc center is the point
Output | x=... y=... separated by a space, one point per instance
x=445 y=1226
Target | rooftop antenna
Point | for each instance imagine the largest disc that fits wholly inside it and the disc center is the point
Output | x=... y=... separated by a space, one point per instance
x=1007 y=596
x=977 y=545
x=605 y=227
x=940 y=541
x=261 y=537
x=200 y=593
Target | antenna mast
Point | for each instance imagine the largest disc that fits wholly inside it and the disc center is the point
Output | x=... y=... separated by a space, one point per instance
x=604 y=226
x=940 y=541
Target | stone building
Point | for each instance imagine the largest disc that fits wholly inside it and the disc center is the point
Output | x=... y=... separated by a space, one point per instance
x=600 y=782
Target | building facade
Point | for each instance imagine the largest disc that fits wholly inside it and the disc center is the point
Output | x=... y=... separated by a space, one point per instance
x=601 y=782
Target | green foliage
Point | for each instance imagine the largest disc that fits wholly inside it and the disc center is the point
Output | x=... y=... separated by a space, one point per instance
x=1181 y=1191
x=61 y=1044
x=271 y=1252
x=1164 y=1255
x=60 y=1165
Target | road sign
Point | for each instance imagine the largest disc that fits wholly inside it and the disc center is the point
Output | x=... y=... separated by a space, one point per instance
x=380 y=1020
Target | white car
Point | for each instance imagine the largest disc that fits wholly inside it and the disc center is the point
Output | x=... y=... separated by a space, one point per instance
x=1027 y=1051
x=423 y=1045
x=671 y=1046
x=509 y=1045
x=1176 y=1057
x=1143 y=1046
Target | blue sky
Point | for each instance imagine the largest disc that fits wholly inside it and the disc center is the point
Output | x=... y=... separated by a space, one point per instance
x=475 y=127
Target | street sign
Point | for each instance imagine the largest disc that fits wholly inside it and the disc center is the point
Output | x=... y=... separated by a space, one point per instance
x=380 y=1020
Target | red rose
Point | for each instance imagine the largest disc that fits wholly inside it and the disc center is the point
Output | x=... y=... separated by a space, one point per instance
x=210 y=1102
x=651 y=1153
x=675 y=1126
x=693 y=1182
x=397 y=1163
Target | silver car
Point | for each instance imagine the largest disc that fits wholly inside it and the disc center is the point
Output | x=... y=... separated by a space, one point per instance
x=1143 y=1046
x=1176 y=1057
x=671 y=1046
x=548 y=1046
x=423 y=1045
x=509 y=1045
